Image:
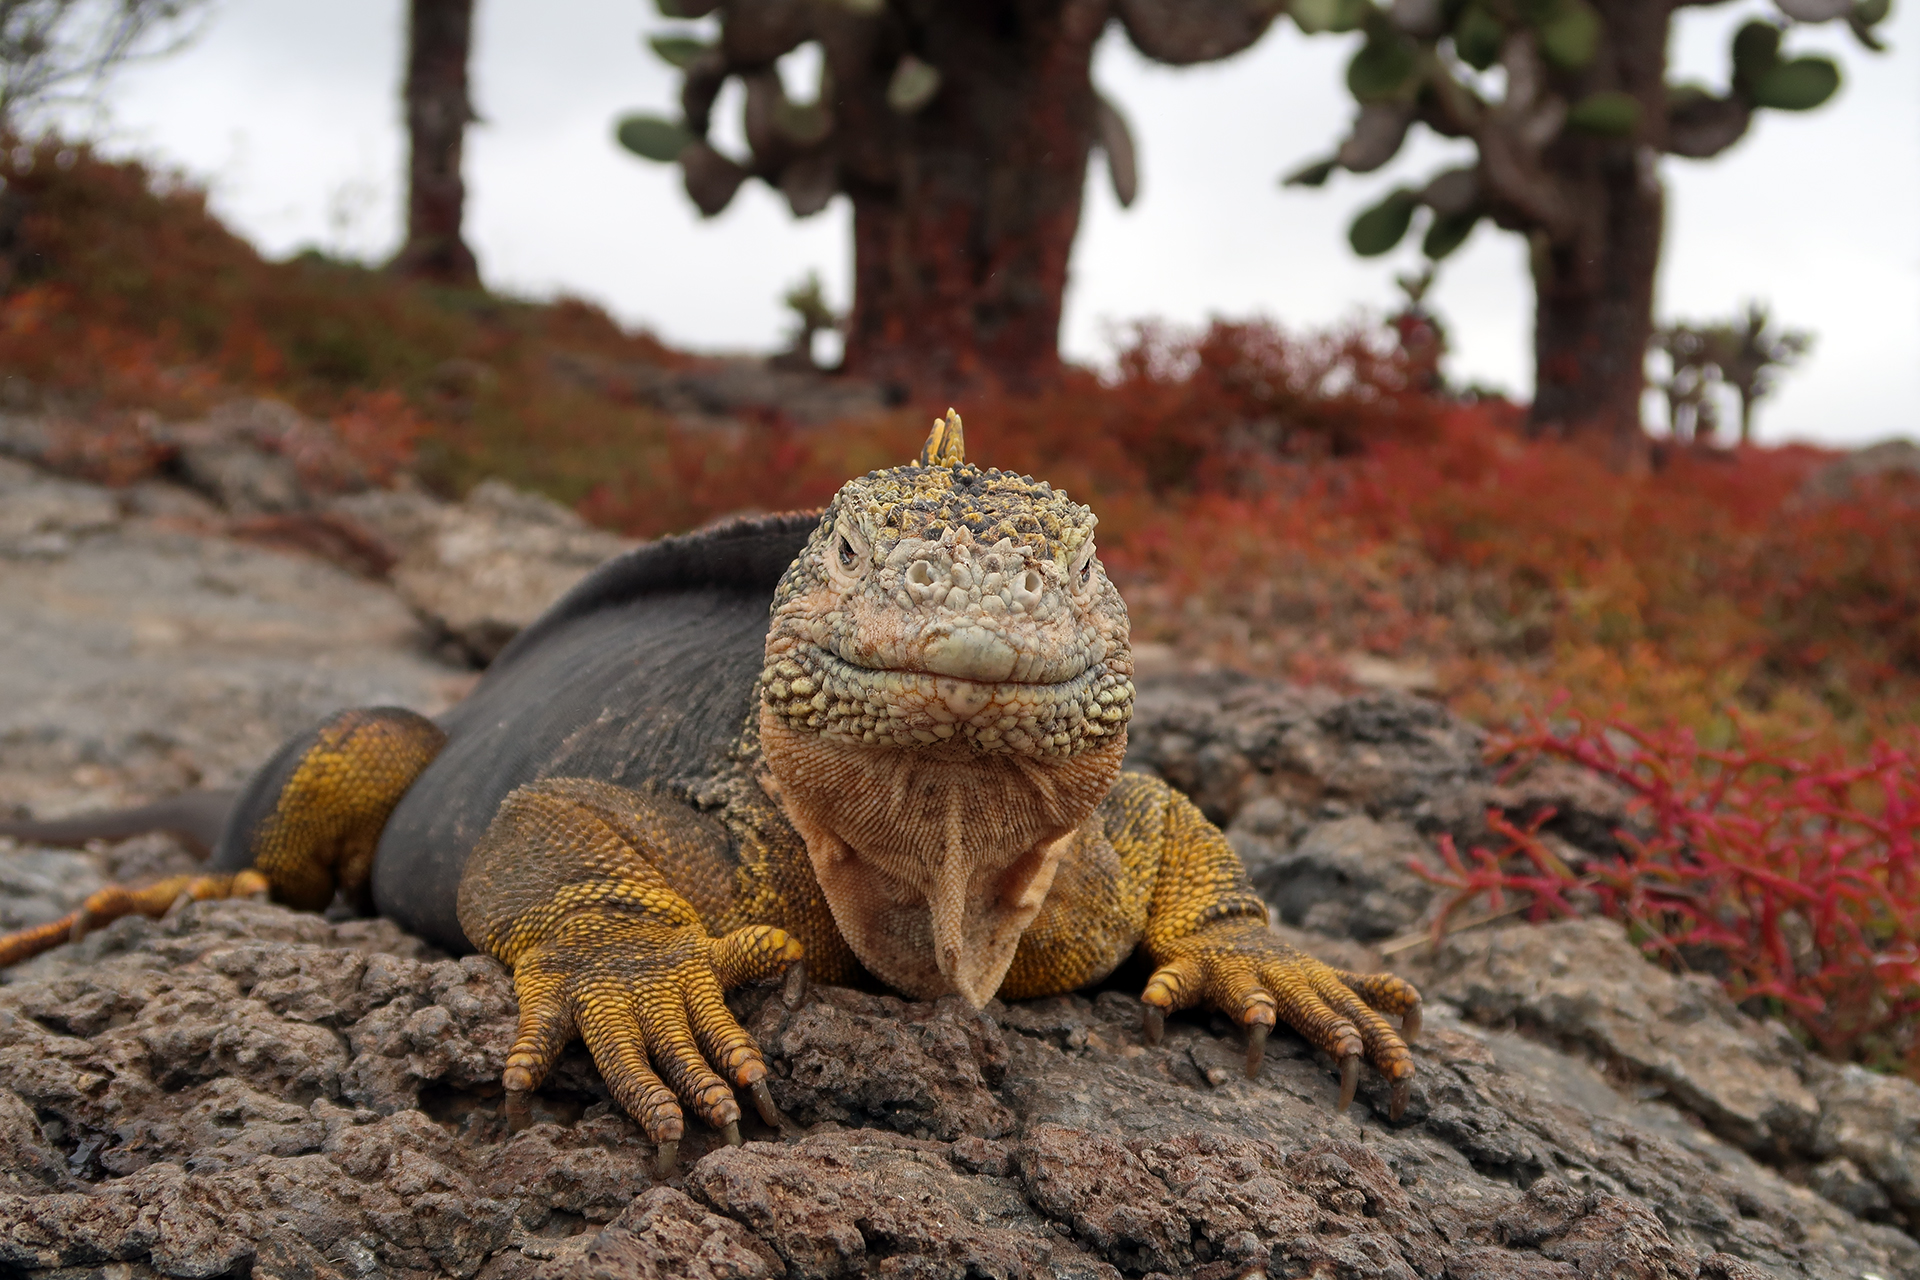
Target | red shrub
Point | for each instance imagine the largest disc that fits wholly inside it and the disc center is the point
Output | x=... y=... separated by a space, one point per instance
x=1799 y=878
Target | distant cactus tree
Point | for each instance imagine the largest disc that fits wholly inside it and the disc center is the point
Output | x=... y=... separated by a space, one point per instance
x=1569 y=138
x=811 y=317
x=1748 y=353
x=1743 y=356
x=960 y=130
x=439 y=46
x=1688 y=383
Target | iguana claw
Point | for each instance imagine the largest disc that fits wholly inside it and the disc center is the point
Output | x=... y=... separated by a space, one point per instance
x=763 y=1102
x=793 y=992
x=647 y=997
x=1257 y=1048
x=1241 y=969
x=1349 y=1081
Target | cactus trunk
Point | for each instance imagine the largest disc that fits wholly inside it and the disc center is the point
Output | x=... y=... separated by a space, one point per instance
x=1593 y=283
x=932 y=316
x=1593 y=319
x=440 y=36
x=963 y=231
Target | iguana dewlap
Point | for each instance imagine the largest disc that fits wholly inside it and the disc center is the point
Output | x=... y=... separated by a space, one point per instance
x=886 y=737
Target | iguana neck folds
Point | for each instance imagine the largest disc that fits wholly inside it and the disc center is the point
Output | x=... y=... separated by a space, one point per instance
x=933 y=859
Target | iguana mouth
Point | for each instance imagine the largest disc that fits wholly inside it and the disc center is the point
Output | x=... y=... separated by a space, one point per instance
x=811 y=688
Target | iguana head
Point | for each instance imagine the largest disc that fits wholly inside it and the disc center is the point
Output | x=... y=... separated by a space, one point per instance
x=945 y=700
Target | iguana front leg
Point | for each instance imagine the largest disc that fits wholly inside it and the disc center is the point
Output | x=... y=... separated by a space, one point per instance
x=1207 y=934
x=567 y=889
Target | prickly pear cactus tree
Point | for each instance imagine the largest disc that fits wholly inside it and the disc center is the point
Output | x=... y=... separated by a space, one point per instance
x=960 y=130
x=1568 y=106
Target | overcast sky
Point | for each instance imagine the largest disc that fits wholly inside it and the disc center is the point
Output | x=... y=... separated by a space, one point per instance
x=289 y=112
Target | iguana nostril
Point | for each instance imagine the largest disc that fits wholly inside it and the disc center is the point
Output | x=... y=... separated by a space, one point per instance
x=920 y=573
x=1027 y=588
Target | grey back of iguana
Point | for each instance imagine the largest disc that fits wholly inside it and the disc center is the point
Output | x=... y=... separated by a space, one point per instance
x=640 y=675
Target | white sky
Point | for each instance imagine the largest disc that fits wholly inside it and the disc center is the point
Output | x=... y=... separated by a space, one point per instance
x=289 y=111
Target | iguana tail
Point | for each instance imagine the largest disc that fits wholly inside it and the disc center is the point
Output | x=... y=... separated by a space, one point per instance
x=197 y=817
x=305 y=827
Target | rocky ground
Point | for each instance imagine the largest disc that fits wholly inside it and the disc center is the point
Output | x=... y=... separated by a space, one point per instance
x=241 y=1089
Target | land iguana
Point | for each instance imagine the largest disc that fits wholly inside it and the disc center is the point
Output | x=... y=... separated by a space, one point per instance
x=885 y=738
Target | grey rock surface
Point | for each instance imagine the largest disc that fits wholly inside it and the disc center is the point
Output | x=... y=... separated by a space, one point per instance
x=1329 y=800
x=243 y=479
x=1581 y=983
x=244 y=1089
x=478 y=570
x=42 y=517
x=718 y=394
x=246 y=1085
x=1836 y=480
x=145 y=654
x=1345 y=876
x=1230 y=740
x=262 y=457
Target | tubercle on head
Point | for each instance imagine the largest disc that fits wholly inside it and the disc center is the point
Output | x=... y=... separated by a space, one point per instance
x=946 y=444
x=941 y=497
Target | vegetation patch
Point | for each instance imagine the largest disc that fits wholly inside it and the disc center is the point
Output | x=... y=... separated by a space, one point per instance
x=1795 y=879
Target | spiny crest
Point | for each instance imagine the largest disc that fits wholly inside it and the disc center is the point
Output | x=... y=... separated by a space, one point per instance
x=946 y=446
x=941 y=490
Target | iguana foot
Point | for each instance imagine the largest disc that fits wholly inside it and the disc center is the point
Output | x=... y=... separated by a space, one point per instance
x=114 y=901
x=648 y=998
x=1241 y=969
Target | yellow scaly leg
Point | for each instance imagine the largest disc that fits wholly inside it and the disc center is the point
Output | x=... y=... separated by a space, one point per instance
x=1208 y=937
x=309 y=826
x=566 y=890
x=319 y=835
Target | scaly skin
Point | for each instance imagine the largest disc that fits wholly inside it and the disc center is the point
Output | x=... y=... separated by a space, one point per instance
x=109 y=904
x=928 y=789
x=321 y=834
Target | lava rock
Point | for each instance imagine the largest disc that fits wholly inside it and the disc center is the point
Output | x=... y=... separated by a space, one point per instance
x=244 y=1088
x=1351 y=877
x=145 y=655
x=854 y=1058
x=479 y=570
x=44 y=518
x=1582 y=983
x=1228 y=740
x=1581 y=980
x=245 y=1085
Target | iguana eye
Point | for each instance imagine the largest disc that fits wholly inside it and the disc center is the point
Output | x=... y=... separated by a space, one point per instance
x=1080 y=572
x=847 y=557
